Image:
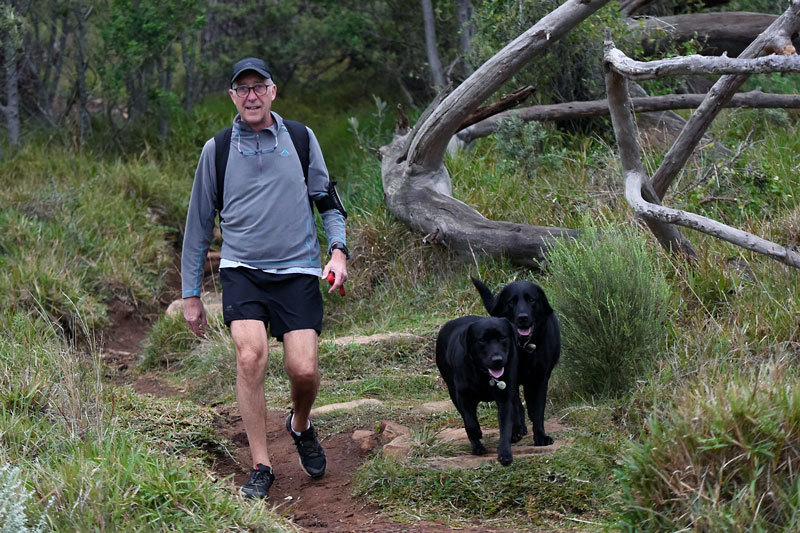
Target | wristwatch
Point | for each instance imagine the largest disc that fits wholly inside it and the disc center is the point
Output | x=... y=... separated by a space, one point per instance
x=340 y=246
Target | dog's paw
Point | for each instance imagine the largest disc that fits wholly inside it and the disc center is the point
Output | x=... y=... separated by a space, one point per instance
x=518 y=433
x=505 y=458
x=542 y=440
x=478 y=448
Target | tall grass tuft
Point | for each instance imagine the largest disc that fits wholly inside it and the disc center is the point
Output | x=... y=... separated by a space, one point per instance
x=723 y=457
x=612 y=300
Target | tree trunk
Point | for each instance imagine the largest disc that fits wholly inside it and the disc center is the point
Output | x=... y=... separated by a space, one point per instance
x=643 y=196
x=645 y=104
x=189 y=55
x=417 y=186
x=11 y=107
x=165 y=79
x=463 y=19
x=629 y=8
x=80 y=72
x=715 y=32
x=435 y=63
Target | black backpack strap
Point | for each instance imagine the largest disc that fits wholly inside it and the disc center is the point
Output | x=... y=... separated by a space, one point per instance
x=222 y=145
x=222 y=142
x=299 y=135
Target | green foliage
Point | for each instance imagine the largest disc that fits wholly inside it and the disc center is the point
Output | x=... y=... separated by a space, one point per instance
x=14 y=501
x=74 y=233
x=167 y=343
x=570 y=69
x=531 y=147
x=612 y=300
x=721 y=457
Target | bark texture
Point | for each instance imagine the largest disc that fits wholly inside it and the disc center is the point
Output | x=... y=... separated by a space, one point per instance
x=644 y=197
x=716 y=33
x=645 y=104
x=417 y=186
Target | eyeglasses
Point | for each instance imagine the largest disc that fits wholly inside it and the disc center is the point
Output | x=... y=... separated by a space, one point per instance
x=254 y=152
x=243 y=91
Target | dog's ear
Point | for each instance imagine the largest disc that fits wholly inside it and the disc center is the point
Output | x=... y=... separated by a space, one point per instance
x=545 y=304
x=486 y=294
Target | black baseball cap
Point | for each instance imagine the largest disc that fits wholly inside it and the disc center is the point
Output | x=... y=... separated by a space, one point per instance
x=250 y=63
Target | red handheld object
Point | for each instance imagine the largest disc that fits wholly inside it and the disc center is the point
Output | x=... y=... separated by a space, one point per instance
x=332 y=279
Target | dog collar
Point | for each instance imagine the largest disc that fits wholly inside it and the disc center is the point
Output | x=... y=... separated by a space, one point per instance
x=500 y=384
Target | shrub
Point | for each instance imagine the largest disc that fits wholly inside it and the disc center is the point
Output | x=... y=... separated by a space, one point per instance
x=721 y=458
x=13 y=502
x=611 y=300
x=528 y=146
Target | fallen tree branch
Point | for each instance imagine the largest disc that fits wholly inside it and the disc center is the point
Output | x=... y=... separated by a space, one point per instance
x=713 y=33
x=776 y=37
x=634 y=182
x=507 y=101
x=416 y=184
x=596 y=108
x=429 y=144
x=619 y=102
x=696 y=64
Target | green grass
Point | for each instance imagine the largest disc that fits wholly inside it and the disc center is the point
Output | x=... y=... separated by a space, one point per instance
x=78 y=231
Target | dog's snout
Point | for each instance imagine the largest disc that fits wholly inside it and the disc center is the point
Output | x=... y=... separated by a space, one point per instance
x=497 y=360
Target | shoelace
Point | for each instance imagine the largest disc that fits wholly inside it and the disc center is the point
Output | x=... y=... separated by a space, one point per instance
x=310 y=446
x=259 y=475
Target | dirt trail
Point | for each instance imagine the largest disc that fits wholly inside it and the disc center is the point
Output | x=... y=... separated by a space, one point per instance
x=313 y=505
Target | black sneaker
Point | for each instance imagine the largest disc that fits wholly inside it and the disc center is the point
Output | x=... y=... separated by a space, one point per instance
x=312 y=456
x=261 y=479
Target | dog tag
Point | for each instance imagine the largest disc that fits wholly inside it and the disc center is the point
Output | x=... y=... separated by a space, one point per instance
x=501 y=385
x=530 y=347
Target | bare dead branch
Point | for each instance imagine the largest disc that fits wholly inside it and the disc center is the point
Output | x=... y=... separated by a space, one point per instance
x=650 y=211
x=776 y=37
x=507 y=101
x=630 y=156
x=429 y=145
x=416 y=184
x=596 y=108
x=696 y=64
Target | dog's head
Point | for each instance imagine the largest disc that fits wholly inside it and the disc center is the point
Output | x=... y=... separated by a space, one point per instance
x=521 y=302
x=491 y=344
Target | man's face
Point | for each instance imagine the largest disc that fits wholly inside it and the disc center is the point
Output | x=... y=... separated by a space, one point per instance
x=253 y=108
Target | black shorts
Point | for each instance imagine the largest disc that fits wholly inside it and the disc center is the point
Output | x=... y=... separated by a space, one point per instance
x=284 y=302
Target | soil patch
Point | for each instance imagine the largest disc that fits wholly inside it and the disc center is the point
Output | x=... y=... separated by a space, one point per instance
x=325 y=504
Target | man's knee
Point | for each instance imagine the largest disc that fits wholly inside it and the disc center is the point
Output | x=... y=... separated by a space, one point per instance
x=303 y=373
x=250 y=361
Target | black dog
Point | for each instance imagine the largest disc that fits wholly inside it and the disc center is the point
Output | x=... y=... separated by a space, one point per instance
x=538 y=337
x=477 y=358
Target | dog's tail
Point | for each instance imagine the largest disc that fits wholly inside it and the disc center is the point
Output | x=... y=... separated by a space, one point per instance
x=486 y=294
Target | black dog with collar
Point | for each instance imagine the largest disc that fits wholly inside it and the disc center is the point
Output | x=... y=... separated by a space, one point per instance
x=477 y=358
x=538 y=336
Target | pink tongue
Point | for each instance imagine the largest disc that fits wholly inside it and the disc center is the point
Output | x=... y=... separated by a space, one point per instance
x=524 y=332
x=497 y=373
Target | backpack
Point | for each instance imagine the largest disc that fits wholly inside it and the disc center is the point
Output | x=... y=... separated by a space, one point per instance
x=222 y=140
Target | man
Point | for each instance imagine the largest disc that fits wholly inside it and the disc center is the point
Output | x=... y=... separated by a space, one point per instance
x=270 y=261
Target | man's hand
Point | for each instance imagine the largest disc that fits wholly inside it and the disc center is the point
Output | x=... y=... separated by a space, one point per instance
x=195 y=315
x=337 y=265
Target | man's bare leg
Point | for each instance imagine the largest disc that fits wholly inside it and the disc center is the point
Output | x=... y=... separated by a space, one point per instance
x=252 y=353
x=302 y=367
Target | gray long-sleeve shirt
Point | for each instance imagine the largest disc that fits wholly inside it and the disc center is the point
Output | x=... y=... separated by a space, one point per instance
x=267 y=221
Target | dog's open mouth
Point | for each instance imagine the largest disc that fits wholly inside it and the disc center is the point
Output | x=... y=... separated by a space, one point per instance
x=496 y=374
x=524 y=332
